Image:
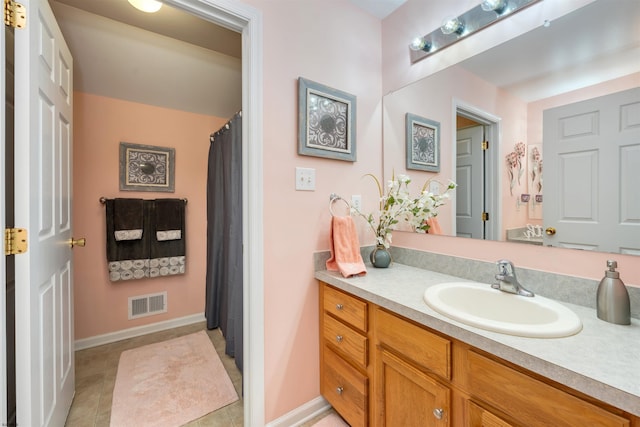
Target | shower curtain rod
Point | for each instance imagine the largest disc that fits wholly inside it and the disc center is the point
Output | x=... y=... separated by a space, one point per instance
x=103 y=200
x=224 y=126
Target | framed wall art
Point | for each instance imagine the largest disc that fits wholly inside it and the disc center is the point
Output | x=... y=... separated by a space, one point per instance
x=147 y=168
x=327 y=122
x=423 y=143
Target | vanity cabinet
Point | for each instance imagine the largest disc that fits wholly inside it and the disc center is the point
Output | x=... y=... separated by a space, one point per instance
x=381 y=369
x=413 y=367
x=344 y=354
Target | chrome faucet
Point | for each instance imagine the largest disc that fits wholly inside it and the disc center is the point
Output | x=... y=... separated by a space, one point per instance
x=507 y=281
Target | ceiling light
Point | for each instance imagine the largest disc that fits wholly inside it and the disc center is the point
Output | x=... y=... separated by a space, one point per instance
x=456 y=28
x=452 y=25
x=497 y=6
x=149 y=6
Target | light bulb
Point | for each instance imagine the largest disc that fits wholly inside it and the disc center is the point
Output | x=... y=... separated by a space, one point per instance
x=149 y=6
x=494 y=5
x=419 y=43
x=452 y=25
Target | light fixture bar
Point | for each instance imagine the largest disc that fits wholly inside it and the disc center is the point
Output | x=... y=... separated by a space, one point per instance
x=471 y=21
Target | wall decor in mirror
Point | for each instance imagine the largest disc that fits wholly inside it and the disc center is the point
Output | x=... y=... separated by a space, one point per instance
x=490 y=102
x=423 y=143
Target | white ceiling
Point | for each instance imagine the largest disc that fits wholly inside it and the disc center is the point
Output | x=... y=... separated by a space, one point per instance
x=169 y=59
x=379 y=8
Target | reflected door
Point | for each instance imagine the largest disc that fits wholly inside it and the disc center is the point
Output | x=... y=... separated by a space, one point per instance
x=592 y=173
x=470 y=192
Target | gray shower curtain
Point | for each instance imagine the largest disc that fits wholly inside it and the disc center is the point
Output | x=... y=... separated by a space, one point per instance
x=223 y=306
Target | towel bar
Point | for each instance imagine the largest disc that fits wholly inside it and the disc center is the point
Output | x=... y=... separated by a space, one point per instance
x=332 y=198
x=103 y=200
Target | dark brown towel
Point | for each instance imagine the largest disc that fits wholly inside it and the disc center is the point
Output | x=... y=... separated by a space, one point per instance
x=128 y=221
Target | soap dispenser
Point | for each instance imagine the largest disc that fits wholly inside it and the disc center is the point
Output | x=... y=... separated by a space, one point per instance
x=613 y=298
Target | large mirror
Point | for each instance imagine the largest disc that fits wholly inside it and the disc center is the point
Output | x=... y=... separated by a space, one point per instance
x=522 y=188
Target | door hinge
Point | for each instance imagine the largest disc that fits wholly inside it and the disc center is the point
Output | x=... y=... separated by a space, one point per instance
x=15 y=241
x=485 y=216
x=485 y=145
x=15 y=14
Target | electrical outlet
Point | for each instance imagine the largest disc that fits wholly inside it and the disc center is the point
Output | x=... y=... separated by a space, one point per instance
x=305 y=179
x=434 y=187
x=356 y=202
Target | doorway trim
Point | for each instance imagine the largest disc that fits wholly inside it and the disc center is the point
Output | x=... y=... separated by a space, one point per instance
x=493 y=181
x=248 y=21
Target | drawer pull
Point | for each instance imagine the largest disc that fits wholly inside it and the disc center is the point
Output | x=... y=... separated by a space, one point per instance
x=339 y=338
x=438 y=413
x=339 y=306
x=339 y=389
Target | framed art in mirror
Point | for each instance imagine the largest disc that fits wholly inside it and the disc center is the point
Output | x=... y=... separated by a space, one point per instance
x=423 y=143
x=147 y=168
x=326 y=120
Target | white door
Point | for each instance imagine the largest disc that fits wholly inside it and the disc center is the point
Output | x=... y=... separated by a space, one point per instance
x=470 y=179
x=592 y=172
x=3 y=313
x=43 y=201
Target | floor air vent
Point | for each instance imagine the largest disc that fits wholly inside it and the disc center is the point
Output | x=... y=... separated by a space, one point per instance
x=147 y=305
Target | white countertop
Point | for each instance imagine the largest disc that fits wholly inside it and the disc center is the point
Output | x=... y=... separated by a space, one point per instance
x=602 y=361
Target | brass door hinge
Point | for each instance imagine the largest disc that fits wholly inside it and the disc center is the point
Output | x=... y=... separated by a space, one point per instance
x=15 y=241
x=485 y=145
x=485 y=216
x=15 y=14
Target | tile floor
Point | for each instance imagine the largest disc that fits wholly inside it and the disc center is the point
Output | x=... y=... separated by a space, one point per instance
x=96 y=375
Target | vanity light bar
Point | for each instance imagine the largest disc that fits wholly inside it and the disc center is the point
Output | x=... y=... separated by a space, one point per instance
x=470 y=22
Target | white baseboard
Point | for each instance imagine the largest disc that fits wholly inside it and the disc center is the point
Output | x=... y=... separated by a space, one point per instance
x=301 y=414
x=137 y=331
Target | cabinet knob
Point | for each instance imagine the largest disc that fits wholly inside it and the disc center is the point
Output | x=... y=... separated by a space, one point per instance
x=339 y=307
x=339 y=389
x=438 y=413
x=339 y=338
x=550 y=231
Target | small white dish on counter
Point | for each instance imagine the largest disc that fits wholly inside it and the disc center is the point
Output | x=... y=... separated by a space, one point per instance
x=479 y=305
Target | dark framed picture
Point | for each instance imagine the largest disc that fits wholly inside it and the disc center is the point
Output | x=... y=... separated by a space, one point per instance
x=147 y=168
x=423 y=144
x=327 y=122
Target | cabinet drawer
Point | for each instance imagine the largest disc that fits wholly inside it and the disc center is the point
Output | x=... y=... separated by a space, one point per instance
x=345 y=388
x=346 y=307
x=532 y=402
x=345 y=340
x=425 y=348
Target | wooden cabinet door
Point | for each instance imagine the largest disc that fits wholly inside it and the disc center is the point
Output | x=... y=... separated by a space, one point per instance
x=480 y=417
x=408 y=397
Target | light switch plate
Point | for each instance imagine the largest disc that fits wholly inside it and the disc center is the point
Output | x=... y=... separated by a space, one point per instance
x=305 y=179
x=434 y=187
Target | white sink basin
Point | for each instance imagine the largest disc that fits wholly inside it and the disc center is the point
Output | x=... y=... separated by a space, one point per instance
x=479 y=305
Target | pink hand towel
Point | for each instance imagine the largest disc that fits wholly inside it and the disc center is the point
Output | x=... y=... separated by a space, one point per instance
x=434 y=226
x=345 y=248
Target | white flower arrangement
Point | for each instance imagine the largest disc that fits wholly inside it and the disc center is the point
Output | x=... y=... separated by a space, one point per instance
x=397 y=204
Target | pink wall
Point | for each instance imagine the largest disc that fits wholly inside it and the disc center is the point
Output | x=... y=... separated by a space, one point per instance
x=334 y=43
x=100 y=124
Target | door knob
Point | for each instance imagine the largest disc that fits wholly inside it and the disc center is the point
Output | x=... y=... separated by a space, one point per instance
x=550 y=231
x=77 y=242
